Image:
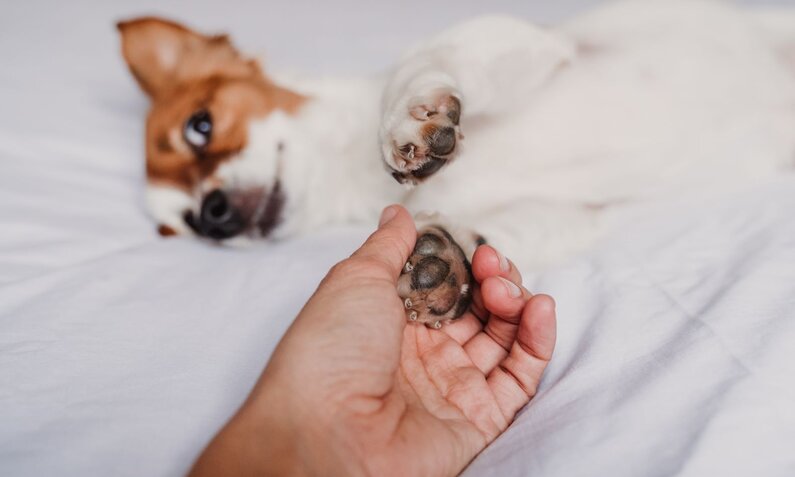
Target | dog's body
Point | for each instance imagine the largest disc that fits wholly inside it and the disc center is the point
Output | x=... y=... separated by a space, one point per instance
x=525 y=136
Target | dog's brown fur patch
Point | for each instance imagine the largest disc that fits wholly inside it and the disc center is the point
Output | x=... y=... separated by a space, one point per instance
x=183 y=72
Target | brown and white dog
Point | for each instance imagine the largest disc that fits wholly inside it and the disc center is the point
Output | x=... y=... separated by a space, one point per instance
x=631 y=102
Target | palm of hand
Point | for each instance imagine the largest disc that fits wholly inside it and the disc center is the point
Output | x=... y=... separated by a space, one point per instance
x=458 y=388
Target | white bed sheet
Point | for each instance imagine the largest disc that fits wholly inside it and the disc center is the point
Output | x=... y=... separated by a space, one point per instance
x=121 y=353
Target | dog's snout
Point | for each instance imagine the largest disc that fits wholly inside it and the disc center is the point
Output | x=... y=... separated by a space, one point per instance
x=218 y=218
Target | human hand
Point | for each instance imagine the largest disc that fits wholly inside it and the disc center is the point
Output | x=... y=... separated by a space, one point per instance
x=352 y=389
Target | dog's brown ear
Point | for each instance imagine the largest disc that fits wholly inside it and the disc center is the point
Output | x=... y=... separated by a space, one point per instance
x=162 y=54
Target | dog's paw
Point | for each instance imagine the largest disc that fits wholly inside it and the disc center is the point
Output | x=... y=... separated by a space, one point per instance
x=422 y=135
x=437 y=279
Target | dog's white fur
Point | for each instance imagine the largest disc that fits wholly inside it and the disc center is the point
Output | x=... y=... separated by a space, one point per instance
x=632 y=102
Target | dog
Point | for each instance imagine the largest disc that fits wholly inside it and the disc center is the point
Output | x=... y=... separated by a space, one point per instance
x=523 y=136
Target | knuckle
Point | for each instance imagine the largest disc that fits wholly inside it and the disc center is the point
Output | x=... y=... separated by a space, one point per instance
x=400 y=245
x=383 y=256
x=357 y=267
x=375 y=267
x=345 y=268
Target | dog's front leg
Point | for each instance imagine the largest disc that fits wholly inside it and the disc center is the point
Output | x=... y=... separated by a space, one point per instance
x=483 y=67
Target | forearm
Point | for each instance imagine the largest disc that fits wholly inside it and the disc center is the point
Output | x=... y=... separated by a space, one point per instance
x=273 y=434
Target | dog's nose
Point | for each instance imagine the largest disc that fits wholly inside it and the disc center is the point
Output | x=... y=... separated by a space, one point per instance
x=218 y=218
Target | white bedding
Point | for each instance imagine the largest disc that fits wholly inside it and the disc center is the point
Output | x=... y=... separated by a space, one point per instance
x=122 y=353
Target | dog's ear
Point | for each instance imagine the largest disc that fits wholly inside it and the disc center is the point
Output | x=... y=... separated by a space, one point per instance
x=162 y=54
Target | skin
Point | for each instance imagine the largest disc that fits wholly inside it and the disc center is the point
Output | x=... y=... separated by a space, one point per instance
x=354 y=390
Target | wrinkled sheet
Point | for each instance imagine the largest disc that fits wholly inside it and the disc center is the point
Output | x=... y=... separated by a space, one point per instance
x=122 y=353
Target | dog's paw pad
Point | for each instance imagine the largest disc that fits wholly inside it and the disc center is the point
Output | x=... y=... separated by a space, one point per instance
x=426 y=139
x=436 y=281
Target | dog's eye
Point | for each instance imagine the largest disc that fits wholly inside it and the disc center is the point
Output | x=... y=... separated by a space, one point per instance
x=198 y=129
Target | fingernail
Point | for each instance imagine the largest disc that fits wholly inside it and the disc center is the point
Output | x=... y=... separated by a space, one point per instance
x=388 y=214
x=505 y=267
x=513 y=290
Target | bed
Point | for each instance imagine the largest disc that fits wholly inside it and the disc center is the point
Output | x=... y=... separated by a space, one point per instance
x=122 y=353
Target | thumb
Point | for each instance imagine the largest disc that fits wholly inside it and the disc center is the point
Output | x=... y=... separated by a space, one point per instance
x=391 y=244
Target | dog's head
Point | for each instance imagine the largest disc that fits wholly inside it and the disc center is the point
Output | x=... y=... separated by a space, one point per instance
x=207 y=173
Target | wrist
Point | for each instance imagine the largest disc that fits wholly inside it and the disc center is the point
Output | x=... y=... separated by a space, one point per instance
x=295 y=438
x=258 y=440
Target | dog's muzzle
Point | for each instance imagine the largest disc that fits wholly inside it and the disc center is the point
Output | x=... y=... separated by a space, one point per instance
x=224 y=215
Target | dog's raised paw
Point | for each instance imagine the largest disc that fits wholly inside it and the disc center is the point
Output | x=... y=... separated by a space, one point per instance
x=424 y=138
x=437 y=279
